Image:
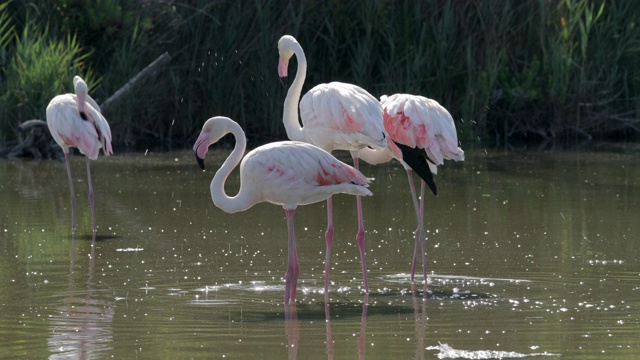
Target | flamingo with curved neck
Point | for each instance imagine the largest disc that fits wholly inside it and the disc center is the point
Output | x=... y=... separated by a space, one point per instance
x=335 y=116
x=286 y=173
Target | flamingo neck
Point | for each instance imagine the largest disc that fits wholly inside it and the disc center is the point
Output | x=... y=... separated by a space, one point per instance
x=80 y=100
x=220 y=198
x=374 y=157
x=290 y=116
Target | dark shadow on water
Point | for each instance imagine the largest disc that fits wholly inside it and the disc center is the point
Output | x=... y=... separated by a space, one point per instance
x=96 y=237
x=440 y=294
x=384 y=302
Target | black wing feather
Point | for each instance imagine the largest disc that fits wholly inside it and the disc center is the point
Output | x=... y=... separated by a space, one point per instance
x=417 y=159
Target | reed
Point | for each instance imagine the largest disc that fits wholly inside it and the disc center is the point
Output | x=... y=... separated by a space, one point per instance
x=510 y=72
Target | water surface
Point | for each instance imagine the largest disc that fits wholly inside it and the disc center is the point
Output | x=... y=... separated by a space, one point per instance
x=527 y=254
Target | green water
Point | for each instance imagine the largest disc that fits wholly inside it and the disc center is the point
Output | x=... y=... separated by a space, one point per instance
x=526 y=253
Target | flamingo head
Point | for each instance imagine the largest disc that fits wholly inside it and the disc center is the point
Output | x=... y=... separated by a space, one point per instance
x=286 y=46
x=212 y=131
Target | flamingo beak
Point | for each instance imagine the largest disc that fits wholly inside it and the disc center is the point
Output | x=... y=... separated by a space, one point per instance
x=199 y=160
x=283 y=66
x=284 y=82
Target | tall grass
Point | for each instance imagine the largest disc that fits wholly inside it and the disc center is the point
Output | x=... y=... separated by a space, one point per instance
x=509 y=71
x=39 y=69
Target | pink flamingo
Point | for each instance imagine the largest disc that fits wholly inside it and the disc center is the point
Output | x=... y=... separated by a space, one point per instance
x=336 y=116
x=75 y=120
x=422 y=135
x=286 y=173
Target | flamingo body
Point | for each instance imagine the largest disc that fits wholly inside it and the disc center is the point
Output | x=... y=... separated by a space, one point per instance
x=286 y=173
x=69 y=129
x=74 y=120
x=335 y=116
x=422 y=135
x=421 y=123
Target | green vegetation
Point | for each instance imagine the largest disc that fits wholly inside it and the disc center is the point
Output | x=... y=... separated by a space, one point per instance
x=510 y=72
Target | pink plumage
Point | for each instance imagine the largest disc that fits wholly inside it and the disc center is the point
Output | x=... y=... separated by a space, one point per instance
x=286 y=173
x=420 y=122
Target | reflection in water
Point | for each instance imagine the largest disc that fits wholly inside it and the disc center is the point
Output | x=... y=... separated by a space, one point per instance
x=420 y=314
x=292 y=330
x=327 y=321
x=81 y=328
x=363 y=326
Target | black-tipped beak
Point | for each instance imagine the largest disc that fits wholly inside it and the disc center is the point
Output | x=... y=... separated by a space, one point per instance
x=199 y=160
x=283 y=81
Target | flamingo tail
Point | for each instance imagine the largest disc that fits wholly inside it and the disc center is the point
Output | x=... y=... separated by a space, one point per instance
x=418 y=161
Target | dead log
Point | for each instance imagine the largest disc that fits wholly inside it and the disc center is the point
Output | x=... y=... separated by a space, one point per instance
x=147 y=72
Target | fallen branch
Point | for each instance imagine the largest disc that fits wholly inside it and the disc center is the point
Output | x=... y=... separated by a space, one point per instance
x=34 y=140
x=147 y=72
x=31 y=123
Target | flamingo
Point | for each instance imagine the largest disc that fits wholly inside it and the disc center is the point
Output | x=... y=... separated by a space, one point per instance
x=286 y=173
x=74 y=120
x=423 y=135
x=336 y=116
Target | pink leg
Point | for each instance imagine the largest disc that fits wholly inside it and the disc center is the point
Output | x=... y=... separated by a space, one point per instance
x=73 y=196
x=293 y=270
x=360 y=237
x=419 y=230
x=422 y=238
x=329 y=238
x=91 y=201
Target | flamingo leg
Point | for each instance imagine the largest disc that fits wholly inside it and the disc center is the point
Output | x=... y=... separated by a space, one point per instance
x=422 y=238
x=360 y=237
x=91 y=200
x=293 y=270
x=329 y=238
x=419 y=230
x=73 y=196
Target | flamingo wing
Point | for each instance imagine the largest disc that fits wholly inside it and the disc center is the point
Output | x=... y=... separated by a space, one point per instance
x=342 y=116
x=102 y=127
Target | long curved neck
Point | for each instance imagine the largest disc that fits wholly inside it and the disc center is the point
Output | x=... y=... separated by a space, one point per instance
x=218 y=195
x=374 y=157
x=290 y=116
